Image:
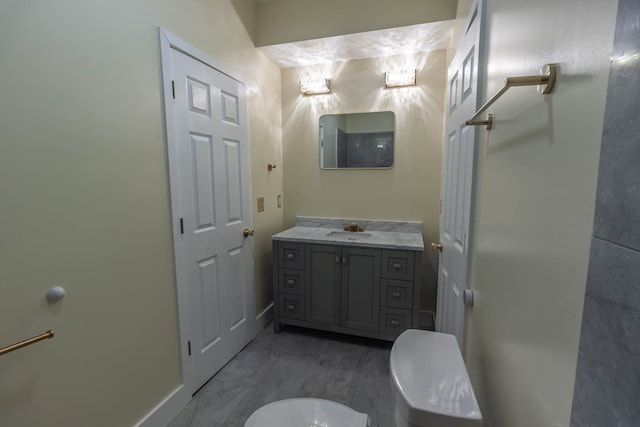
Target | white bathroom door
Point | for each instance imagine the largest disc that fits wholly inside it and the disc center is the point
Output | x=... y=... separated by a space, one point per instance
x=212 y=170
x=457 y=179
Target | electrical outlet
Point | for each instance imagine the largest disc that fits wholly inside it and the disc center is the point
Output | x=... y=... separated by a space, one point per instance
x=260 y=204
x=279 y=200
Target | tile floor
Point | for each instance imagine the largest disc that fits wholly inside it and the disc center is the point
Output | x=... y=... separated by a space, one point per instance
x=297 y=362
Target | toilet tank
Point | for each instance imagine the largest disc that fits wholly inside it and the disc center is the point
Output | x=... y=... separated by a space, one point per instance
x=429 y=382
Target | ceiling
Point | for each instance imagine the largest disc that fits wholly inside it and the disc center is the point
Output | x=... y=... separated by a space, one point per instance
x=372 y=44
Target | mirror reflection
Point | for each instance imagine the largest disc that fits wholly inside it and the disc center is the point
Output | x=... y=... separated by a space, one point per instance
x=357 y=140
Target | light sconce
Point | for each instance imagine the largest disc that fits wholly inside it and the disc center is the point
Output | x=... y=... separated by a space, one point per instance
x=400 y=78
x=315 y=87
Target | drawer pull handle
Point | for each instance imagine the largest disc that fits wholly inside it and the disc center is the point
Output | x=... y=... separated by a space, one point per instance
x=395 y=294
x=291 y=282
x=291 y=307
x=291 y=256
x=397 y=266
x=395 y=323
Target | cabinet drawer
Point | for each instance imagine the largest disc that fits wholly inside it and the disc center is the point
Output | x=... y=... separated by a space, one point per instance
x=394 y=320
x=291 y=307
x=291 y=255
x=397 y=265
x=291 y=281
x=397 y=293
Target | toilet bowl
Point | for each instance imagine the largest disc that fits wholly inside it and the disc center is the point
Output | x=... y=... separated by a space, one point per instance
x=429 y=382
x=306 y=412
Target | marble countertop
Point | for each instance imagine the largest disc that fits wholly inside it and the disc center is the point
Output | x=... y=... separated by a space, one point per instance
x=377 y=234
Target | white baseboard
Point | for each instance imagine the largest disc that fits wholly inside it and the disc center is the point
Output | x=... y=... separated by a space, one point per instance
x=166 y=410
x=170 y=406
x=264 y=317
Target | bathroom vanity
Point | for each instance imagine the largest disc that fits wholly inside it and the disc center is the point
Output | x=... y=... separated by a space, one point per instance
x=363 y=283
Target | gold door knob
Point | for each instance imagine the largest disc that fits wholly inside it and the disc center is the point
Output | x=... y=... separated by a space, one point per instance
x=437 y=246
x=247 y=232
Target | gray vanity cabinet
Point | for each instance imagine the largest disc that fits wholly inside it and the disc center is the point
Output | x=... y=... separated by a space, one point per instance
x=343 y=286
x=363 y=291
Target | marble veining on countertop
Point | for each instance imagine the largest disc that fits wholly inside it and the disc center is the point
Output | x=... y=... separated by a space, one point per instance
x=377 y=234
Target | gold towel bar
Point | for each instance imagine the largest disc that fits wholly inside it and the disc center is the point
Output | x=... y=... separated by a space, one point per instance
x=16 y=346
x=546 y=79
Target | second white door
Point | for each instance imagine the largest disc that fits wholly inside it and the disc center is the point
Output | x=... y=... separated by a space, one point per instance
x=457 y=179
x=213 y=174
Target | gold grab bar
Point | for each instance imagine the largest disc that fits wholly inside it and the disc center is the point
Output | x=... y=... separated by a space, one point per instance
x=18 y=345
x=547 y=78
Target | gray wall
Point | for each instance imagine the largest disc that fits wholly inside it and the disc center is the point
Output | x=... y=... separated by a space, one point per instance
x=608 y=375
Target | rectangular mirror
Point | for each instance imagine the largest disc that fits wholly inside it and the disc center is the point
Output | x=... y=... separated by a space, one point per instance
x=357 y=140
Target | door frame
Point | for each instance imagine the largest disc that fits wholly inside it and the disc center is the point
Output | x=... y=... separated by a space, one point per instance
x=169 y=42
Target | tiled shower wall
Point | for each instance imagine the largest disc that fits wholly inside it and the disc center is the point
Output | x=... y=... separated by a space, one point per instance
x=608 y=373
x=365 y=150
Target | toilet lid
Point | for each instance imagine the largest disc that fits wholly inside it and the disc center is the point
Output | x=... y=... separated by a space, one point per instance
x=306 y=412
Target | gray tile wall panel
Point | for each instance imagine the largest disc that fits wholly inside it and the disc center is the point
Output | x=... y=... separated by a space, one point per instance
x=608 y=374
x=618 y=202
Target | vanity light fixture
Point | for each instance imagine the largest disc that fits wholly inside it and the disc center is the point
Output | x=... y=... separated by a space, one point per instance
x=400 y=78
x=315 y=87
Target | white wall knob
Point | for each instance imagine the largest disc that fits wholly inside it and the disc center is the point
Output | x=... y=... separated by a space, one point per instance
x=55 y=294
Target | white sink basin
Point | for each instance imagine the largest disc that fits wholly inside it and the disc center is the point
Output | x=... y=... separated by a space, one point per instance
x=349 y=235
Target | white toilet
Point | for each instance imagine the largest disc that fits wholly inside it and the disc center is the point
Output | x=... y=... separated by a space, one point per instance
x=306 y=412
x=429 y=383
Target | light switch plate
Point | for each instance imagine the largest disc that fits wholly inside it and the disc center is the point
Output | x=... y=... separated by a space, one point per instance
x=260 y=204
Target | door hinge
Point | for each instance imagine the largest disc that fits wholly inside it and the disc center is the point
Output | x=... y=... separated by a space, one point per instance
x=173 y=88
x=440 y=206
x=189 y=347
x=181 y=226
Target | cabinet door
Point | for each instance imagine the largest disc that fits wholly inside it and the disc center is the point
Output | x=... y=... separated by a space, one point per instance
x=361 y=289
x=291 y=255
x=323 y=284
x=291 y=281
x=397 y=265
x=394 y=320
x=396 y=293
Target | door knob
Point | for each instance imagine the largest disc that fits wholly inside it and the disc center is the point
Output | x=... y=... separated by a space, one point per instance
x=247 y=232
x=437 y=246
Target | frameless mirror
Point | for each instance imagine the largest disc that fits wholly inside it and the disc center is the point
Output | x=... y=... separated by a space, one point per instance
x=357 y=140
